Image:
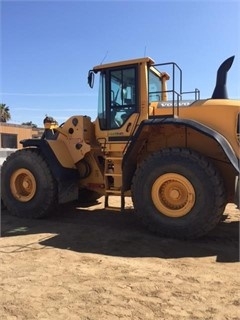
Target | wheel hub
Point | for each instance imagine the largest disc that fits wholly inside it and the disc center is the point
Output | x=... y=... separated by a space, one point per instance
x=23 y=185
x=173 y=195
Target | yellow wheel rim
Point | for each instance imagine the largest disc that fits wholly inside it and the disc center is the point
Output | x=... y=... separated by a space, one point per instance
x=173 y=195
x=23 y=185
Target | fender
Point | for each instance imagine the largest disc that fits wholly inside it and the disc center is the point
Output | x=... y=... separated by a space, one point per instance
x=59 y=172
x=129 y=160
x=67 y=178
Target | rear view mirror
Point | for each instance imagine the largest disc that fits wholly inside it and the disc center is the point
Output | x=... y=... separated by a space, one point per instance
x=90 y=78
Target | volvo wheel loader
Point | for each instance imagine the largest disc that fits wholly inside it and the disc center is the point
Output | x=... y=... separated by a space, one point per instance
x=177 y=159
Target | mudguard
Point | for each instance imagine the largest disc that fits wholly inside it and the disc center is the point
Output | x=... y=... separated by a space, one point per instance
x=129 y=160
x=67 y=178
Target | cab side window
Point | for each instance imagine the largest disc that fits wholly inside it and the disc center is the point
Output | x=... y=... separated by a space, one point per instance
x=155 y=87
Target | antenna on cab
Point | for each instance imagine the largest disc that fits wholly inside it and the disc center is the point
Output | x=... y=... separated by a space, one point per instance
x=106 y=54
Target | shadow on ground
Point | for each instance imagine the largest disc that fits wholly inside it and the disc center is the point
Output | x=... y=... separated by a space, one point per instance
x=121 y=234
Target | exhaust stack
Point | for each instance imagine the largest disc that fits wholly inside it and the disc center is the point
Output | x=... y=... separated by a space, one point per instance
x=220 y=91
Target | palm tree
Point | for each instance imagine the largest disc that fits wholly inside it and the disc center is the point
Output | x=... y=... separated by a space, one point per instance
x=4 y=113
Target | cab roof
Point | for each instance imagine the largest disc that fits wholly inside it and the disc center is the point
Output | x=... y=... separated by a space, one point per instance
x=146 y=60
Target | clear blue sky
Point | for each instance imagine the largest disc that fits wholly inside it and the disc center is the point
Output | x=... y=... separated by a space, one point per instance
x=47 y=48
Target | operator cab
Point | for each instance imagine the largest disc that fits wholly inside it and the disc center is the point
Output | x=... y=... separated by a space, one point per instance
x=120 y=94
x=124 y=88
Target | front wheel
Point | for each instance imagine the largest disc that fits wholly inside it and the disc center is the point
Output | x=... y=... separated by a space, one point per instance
x=28 y=187
x=178 y=193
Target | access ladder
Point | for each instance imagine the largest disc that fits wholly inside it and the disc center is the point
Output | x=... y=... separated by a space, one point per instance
x=113 y=181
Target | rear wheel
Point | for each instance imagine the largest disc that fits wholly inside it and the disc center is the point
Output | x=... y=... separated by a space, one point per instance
x=28 y=187
x=178 y=193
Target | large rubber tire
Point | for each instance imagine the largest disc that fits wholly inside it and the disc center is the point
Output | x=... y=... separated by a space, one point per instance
x=178 y=193
x=28 y=187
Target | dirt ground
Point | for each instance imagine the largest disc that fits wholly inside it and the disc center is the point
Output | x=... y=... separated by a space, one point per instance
x=88 y=263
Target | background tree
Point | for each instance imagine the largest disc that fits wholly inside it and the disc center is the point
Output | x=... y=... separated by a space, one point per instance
x=4 y=113
x=30 y=124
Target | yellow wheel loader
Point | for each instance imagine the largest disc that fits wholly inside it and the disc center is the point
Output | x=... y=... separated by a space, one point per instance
x=177 y=159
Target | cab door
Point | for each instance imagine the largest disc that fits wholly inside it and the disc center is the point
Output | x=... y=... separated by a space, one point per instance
x=118 y=110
